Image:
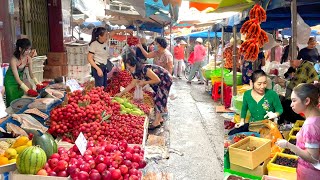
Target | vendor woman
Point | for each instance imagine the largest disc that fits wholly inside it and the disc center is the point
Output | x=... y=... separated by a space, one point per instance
x=157 y=77
x=13 y=81
x=261 y=102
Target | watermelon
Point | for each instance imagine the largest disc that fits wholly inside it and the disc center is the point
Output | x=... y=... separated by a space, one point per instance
x=31 y=160
x=46 y=142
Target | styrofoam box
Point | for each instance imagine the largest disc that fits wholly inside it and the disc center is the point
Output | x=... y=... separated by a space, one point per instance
x=79 y=71
x=38 y=75
x=37 y=68
x=38 y=63
x=80 y=79
x=77 y=55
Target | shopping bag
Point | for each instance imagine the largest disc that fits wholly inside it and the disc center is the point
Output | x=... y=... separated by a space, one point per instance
x=138 y=94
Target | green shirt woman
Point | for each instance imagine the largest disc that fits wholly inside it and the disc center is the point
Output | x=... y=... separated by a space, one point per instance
x=261 y=102
x=14 y=86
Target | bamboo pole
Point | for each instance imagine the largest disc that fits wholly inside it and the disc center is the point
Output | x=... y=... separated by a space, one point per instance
x=222 y=66
x=235 y=59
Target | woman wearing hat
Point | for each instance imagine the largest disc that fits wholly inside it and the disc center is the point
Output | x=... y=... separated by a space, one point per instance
x=179 y=58
x=162 y=56
x=199 y=57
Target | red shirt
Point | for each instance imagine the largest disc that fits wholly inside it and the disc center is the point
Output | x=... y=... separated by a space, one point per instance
x=179 y=52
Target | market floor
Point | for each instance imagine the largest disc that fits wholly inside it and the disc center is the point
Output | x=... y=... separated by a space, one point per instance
x=196 y=136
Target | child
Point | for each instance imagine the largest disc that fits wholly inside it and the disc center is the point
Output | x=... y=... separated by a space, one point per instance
x=305 y=99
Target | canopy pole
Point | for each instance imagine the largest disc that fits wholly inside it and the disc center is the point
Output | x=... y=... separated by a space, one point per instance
x=71 y=19
x=273 y=50
x=294 y=29
x=170 y=26
x=208 y=41
x=222 y=66
x=235 y=59
x=216 y=49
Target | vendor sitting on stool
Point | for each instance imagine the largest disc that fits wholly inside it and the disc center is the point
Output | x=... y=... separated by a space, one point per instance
x=261 y=102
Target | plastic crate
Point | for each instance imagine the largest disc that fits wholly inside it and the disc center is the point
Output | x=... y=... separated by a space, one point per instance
x=215 y=79
x=299 y=123
x=228 y=172
x=282 y=171
x=294 y=130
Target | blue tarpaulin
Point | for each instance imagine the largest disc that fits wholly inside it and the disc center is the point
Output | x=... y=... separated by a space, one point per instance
x=204 y=34
x=281 y=17
x=287 y=32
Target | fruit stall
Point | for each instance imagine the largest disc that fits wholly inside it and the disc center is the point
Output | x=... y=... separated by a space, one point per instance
x=254 y=155
x=80 y=134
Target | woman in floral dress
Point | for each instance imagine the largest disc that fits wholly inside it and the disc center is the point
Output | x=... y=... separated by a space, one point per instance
x=157 y=77
x=262 y=103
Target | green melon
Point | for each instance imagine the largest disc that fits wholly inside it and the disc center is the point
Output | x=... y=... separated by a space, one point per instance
x=31 y=160
x=46 y=142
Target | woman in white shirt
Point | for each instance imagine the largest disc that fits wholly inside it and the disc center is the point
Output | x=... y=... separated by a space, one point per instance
x=99 y=54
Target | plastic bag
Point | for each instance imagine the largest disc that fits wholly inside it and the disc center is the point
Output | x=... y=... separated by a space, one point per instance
x=138 y=94
x=303 y=31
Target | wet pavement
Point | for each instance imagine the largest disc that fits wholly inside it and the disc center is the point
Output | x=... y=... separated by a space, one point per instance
x=194 y=135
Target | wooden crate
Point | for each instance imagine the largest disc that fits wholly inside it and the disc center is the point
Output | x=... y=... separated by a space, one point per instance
x=14 y=175
x=279 y=171
x=57 y=59
x=250 y=159
x=258 y=171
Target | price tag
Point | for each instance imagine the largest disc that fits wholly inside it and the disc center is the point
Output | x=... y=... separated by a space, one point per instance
x=81 y=143
x=74 y=85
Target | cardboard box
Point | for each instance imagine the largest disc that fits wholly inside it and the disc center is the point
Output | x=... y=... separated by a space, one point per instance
x=258 y=171
x=250 y=159
x=279 y=171
x=14 y=175
x=51 y=72
x=57 y=59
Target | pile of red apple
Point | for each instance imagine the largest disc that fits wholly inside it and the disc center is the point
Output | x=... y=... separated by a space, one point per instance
x=102 y=161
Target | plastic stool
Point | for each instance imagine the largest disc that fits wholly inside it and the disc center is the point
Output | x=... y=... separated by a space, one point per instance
x=216 y=92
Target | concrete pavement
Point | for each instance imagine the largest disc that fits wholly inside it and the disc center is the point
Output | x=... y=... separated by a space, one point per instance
x=196 y=131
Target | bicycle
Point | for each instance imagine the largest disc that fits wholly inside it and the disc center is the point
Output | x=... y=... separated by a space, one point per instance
x=187 y=71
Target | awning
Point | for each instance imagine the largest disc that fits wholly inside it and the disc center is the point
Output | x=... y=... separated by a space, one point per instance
x=221 y=5
x=203 y=34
